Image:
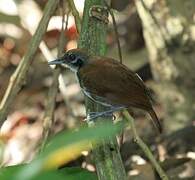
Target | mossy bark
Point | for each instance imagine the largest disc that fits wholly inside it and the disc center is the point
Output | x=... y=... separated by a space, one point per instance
x=92 y=38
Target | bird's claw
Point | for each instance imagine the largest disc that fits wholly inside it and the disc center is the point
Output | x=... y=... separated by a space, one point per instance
x=94 y=115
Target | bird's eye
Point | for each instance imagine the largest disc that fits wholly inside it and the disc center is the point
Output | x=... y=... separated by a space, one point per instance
x=72 y=57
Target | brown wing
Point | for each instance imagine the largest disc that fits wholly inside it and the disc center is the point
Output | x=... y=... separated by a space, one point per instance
x=113 y=81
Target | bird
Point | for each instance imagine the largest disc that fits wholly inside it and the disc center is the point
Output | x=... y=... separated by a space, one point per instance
x=108 y=82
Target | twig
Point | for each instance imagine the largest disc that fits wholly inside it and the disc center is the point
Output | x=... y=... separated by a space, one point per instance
x=19 y=76
x=43 y=47
x=144 y=147
x=50 y=104
x=117 y=36
x=75 y=13
x=116 y=32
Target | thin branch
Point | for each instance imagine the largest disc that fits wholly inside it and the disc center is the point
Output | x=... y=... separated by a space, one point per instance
x=19 y=76
x=116 y=32
x=43 y=47
x=75 y=13
x=50 y=107
x=144 y=147
x=50 y=104
x=117 y=36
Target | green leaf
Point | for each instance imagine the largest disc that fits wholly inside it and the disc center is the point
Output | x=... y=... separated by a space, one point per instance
x=7 y=173
x=70 y=173
x=77 y=173
x=101 y=131
x=49 y=175
x=64 y=140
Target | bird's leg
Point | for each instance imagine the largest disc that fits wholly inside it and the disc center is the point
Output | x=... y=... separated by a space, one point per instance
x=108 y=113
x=94 y=115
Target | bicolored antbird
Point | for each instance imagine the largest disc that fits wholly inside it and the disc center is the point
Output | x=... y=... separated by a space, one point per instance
x=108 y=82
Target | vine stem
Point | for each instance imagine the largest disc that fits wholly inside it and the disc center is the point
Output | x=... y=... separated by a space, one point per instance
x=75 y=13
x=144 y=147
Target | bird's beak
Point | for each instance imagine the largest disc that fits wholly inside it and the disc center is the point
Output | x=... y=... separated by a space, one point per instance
x=56 y=61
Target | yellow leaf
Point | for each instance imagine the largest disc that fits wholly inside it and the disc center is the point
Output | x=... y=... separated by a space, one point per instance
x=65 y=155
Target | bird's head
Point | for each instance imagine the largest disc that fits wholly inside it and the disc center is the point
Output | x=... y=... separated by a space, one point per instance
x=73 y=59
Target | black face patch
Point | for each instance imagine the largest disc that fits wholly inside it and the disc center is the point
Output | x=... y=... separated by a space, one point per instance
x=72 y=57
x=75 y=59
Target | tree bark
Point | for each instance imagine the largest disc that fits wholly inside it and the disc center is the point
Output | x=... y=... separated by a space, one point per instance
x=168 y=32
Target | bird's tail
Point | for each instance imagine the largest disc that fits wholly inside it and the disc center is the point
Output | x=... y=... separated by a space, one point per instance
x=155 y=120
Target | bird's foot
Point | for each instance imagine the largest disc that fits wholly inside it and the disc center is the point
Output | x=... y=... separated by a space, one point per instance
x=107 y=114
x=94 y=115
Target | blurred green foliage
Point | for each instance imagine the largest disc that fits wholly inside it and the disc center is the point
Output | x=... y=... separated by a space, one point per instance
x=63 y=144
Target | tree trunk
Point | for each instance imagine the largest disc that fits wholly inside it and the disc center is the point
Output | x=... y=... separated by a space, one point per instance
x=106 y=156
x=168 y=33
